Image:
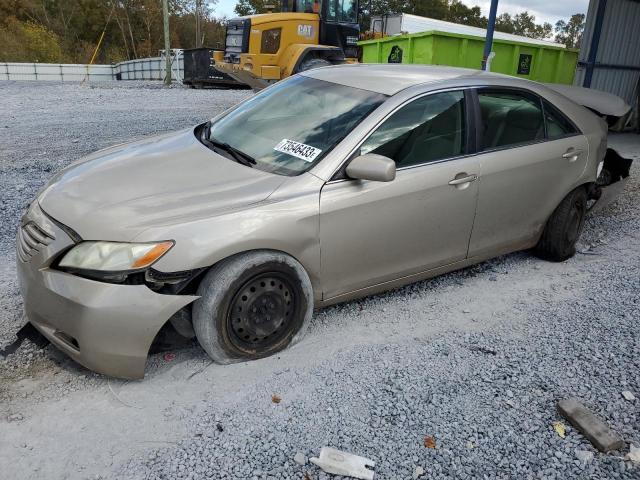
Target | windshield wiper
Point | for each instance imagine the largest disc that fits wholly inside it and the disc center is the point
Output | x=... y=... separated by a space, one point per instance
x=238 y=155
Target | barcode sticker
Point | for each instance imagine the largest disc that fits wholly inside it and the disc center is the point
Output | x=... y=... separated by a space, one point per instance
x=299 y=150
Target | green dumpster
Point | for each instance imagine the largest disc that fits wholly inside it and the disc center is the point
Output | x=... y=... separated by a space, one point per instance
x=541 y=63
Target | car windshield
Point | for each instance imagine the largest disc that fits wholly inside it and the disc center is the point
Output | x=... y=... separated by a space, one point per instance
x=291 y=126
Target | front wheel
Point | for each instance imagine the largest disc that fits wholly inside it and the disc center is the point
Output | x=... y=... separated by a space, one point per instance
x=311 y=63
x=251 y=306
x=563 y=229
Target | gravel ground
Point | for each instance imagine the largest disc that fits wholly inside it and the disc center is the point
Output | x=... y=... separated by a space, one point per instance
x=475 y=359
x=46 y=126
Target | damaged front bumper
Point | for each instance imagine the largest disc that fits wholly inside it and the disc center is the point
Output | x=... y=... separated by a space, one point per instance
x=106 y=327
x=612 y=180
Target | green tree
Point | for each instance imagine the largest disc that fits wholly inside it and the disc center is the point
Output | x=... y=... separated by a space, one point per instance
x=251 y=7
x=504 y=23
x=459 y=13
x=523 y=24
x=570 y=33
x=437 y=9
x=26 y=41
x=132 y=28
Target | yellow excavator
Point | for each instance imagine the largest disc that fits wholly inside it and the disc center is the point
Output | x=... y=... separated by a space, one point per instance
x=262 y=49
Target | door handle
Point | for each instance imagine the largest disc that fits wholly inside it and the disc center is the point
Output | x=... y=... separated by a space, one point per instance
x=462 y=180
x=572 y=154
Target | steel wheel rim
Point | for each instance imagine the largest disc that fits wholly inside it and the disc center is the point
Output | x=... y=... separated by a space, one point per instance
x=262 y=312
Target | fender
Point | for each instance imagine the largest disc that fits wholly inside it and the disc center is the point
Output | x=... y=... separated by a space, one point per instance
x=295 y=54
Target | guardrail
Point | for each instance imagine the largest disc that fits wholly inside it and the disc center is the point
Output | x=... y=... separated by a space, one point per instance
x=64 y=72
x=152 y=68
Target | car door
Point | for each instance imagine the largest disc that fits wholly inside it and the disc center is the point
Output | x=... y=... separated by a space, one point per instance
x=372 y=232
x=530 y=157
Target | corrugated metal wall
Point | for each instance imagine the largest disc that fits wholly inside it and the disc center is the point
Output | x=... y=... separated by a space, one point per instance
x=149 y=69
x=619 y=46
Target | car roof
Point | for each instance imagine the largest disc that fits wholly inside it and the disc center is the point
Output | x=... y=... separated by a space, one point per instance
x=390 y=79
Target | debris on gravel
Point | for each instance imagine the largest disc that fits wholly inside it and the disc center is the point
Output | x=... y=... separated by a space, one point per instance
x=634 y=454
x=300 y=459
x=590 y=425
x=584 y=456
x=15 y=417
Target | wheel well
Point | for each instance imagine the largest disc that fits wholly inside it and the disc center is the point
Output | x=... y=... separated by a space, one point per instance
x=591 y=189
x=335 y=56
x=192 y=286
x=587 y=186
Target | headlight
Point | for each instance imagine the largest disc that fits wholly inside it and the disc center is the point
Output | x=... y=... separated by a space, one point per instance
x=114 y=256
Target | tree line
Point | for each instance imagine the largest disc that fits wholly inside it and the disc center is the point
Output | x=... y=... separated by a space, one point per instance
x=68 y=31
x=567 y=32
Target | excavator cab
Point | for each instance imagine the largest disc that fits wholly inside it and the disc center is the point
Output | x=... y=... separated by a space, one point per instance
x=262 y=49
x=338 y=21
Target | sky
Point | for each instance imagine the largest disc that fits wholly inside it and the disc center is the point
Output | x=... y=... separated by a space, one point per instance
x=544 y=10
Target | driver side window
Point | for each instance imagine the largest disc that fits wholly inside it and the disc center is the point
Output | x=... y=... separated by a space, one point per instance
x=426 y=130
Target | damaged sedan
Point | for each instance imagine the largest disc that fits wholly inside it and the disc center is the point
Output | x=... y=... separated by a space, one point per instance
x=334 y=184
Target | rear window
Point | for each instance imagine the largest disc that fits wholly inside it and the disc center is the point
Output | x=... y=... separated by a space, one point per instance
x=510 y=118
x=558 y=125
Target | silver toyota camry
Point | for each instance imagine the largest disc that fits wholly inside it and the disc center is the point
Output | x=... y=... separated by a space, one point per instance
x=334 y=184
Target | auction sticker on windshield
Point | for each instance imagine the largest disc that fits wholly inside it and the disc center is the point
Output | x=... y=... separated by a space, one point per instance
x=299 y=150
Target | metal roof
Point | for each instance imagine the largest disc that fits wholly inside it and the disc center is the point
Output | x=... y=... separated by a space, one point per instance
x=416 y=24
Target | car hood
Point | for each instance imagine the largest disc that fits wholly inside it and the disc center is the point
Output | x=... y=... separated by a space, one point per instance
x=117 y=193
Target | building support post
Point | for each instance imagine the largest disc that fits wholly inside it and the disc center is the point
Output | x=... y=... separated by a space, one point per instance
x=488 y=43
x=595 y=43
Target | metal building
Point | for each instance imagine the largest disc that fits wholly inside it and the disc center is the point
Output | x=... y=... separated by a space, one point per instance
x=610 y=53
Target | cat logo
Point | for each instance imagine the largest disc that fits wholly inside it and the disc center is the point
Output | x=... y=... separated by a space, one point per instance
x=305 y=31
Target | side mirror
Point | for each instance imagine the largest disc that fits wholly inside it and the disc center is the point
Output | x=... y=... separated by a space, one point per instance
x=372 y=167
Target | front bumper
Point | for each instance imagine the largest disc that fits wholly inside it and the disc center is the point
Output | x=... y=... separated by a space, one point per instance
x=106 y=327
x=239 y=74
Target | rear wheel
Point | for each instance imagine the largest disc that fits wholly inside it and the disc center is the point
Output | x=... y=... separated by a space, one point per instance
x=251 y=306
x=311 y=63
x=563 y=229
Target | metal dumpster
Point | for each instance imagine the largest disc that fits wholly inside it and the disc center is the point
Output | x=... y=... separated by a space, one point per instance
x=199 y=70
x=542 y=63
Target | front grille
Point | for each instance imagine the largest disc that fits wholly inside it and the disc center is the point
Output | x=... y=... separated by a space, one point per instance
x=237 y=40
x=32 y=238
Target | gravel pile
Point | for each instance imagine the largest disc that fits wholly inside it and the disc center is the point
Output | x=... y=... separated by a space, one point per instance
x=470 y=363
